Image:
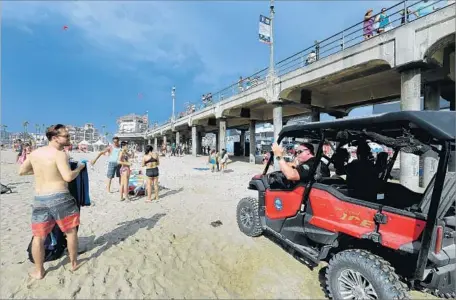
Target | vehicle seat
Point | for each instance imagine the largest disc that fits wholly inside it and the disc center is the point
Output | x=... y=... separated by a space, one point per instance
x=277 y=181
x=362 y=180
x=447 y=198
x=332 y=180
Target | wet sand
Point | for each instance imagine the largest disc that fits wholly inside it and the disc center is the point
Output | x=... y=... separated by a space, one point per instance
x=164 y=249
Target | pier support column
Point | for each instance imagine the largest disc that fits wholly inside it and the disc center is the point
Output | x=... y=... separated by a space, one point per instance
x=164 y=141
x=177 y=138
x=410 y=100
x=199 y=142
x=222 y=135
x=242 y=142
x=194 y=141
x=278 y=123
x=430 y=158
x=252 y=144
x=315 y=114
x=156 y=144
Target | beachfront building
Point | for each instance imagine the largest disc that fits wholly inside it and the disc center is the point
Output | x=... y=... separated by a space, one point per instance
x=87 y=132
x=5 y=137
x=131 y=128
x=133 y=123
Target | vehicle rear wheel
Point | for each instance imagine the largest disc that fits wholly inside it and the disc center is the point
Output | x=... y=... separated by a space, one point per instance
x=359 y=274
x=248 y=218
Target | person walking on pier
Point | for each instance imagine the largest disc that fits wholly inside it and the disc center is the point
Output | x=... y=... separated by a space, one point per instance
x=368 y=24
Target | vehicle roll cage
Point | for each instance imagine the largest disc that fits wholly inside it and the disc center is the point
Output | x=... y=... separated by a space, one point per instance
x=444 y=153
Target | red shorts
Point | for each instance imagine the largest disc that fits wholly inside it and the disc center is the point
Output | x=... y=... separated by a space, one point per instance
x=57 y=208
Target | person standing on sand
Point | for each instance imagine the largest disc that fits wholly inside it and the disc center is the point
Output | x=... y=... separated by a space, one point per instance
x=224 y=160
x=151 y=162
x=123 y=158
x=53 y=202
x=113 y=166
x=212 y=160
x=19 y=148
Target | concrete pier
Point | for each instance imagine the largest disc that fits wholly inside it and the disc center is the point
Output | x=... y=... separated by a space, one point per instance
x=252 y=141
x=242 y=142
x=430 y=158
x=222 y=134
x=410 y=100
x=194 y=140
x=177 y=138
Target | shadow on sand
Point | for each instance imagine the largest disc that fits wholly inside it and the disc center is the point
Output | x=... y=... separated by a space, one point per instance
x=168 y=192
x=106 y=241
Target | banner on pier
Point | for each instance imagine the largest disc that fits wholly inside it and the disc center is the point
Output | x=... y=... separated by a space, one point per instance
x=265 y=30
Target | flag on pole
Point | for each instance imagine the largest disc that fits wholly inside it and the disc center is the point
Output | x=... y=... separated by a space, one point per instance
x=265 y=30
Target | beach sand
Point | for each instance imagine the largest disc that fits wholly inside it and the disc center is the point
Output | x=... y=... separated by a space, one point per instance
x=165 y=249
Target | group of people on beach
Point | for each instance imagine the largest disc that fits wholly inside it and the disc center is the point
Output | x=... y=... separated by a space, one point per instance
x=218 y=161
x=174 y=149
x=119 y=165
x=54 y=204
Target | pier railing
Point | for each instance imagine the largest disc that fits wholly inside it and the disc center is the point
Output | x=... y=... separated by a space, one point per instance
x=397 y=15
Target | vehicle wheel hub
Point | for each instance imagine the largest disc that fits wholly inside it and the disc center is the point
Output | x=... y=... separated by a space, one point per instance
x=246 y=217
x=353 y=285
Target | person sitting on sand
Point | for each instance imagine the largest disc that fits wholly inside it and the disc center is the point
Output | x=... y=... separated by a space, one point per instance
x=151 y=162
x=53 y=202
x=124 y=171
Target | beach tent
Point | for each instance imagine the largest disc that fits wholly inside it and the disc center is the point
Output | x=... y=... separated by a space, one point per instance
x=98 y=144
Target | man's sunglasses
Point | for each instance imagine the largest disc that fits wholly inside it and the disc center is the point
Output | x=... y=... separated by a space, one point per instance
x=67 y=136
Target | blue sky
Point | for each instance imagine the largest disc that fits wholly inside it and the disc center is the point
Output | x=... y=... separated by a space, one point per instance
x=112 y=51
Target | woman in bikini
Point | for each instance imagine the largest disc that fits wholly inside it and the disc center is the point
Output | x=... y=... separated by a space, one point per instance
x=151 y=162
x=124 y=170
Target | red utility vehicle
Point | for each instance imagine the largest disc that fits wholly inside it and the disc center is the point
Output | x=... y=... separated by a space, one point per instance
x=377 y=248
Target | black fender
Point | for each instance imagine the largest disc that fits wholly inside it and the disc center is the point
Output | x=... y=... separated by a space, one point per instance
x=257 y=185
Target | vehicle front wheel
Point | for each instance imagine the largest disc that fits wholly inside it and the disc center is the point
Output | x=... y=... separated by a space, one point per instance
x=359 y=274
x=248 y=218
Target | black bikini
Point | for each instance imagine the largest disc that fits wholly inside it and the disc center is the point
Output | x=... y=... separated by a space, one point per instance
x=151 y=172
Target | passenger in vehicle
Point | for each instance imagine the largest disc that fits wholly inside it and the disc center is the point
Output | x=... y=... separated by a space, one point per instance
x=340 y=159
x=304 y=156
x=362 y=177
x=381 y=163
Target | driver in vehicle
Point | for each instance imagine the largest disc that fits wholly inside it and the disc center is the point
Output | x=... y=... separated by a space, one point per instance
x=305 y=159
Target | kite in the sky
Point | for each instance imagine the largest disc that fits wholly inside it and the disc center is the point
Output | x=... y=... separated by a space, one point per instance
x=65 y=27
x=140 y=95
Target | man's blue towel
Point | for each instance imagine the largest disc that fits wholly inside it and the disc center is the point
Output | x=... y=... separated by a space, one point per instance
x=79 y=187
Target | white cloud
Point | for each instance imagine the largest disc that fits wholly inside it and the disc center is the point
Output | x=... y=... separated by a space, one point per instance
x=166 y=33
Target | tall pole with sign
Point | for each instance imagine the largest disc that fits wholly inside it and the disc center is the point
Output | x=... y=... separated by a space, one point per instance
x=271 y=45
x=173 y=94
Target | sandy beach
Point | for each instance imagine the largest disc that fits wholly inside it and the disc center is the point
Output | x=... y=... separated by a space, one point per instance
x=165 y=249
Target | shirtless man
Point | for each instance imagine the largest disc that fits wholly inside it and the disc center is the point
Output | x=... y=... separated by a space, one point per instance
x=53 y=202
